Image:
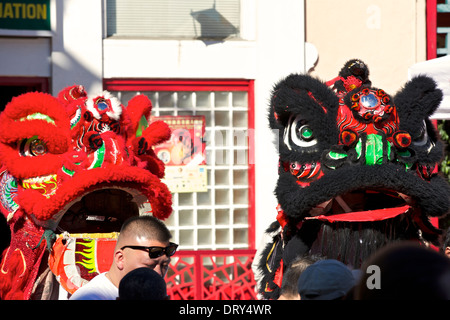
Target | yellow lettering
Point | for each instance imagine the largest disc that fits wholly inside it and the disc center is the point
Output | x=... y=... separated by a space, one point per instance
x=8 y=12
x=23 y=11
x=31 y=11
x=17 y=9
x=41 y=11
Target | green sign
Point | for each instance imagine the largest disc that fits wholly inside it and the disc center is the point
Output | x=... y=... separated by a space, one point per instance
x=25 y=15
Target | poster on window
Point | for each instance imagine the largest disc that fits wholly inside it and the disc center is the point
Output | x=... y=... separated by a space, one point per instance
x=184 y=153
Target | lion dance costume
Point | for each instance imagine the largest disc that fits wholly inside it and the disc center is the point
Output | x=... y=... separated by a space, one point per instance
x=72 y=164
x=358 y=169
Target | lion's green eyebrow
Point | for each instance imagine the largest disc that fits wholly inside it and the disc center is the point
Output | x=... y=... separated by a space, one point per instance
x=38 y=116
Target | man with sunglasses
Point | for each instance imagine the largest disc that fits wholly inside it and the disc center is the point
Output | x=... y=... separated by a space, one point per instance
x=143 y=242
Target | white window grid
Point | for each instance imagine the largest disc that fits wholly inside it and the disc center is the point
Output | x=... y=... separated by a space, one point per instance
x=445 y=50
x=218 y=218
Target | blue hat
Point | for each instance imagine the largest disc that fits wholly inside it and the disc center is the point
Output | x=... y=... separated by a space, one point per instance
x=325 y=280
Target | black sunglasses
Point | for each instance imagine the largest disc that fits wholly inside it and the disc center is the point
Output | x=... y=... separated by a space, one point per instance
x=156 y=252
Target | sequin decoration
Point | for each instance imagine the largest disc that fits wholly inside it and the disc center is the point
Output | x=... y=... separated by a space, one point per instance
x=8 y=191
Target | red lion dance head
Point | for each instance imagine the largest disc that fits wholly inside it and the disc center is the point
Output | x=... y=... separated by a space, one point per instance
x=73 y=164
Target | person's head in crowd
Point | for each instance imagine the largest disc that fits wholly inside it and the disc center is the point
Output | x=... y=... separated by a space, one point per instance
x=407 y=270
x=446 y=243
x=289 y=289
x=144 y=241
x=142 y=284
x=327 y=279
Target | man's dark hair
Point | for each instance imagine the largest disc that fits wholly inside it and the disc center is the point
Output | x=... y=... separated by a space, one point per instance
x=290 y=278
x=148 y=227
x=142 y=284
x=408 y=271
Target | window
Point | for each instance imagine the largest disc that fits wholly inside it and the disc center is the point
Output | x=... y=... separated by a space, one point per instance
x=443 y=28
x=203 y=19
x=222 y=217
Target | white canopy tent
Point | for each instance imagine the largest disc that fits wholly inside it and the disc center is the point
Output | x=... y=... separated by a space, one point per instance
x=439 y=70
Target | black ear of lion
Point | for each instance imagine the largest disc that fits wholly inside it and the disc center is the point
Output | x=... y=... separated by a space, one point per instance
x=415 y=103
x=418 y=99
x=298 y=93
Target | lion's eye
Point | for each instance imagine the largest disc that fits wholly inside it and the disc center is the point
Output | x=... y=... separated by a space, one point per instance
x=301 y=133
x=32 y=147
x=421 y=138
x=304 y=133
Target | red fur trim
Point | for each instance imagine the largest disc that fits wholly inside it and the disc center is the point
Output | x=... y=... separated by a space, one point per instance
x=138 y=106
x=156 y=133
x=56 y=138
x=152 y=164
x=88 y=180
x=27 y=167
x=70 y=94
x=15 y=127
x=33 y=102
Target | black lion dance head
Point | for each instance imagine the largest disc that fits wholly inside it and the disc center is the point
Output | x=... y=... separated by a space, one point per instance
x=358 y=169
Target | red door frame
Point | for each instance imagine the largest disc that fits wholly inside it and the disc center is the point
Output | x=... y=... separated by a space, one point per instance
x=431 y=29
x=205 y=85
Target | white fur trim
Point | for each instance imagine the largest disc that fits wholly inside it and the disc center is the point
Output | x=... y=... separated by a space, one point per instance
x=116 y=107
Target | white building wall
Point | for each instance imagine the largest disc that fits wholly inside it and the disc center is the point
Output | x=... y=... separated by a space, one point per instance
x=389 y=36
x=16 y=60
x=77 y=51
x=280 y=48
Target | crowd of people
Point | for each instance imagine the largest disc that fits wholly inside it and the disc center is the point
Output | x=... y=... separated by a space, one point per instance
x=404 y=270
